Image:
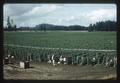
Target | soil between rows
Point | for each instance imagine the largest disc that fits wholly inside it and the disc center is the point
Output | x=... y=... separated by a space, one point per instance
x=45 y=71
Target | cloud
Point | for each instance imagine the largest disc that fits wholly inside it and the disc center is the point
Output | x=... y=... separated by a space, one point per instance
x=41 y=10
x=101 y=14
x=61 y=14
x=24 y=14
x=16 y=9
x=87 y=17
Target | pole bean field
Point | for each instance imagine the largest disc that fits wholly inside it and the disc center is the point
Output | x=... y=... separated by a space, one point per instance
x=93 y=54
x=39 y=44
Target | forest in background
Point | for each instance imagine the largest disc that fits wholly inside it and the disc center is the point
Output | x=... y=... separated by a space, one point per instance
x=98 y=26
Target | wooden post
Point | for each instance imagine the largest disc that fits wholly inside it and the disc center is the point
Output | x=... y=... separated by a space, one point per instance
x=115 y=61
x=87 y=60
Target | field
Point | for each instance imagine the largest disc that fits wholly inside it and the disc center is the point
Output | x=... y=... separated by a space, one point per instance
x=62 y=39
x=41 y=44
x=101 y=45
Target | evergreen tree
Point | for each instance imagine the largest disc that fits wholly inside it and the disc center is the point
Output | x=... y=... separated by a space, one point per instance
x=8 y=24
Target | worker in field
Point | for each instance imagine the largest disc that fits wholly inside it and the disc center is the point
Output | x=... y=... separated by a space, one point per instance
x=64 y=59
x=57 y=60
x=12 y=59
x=49 y=59
x=6 y=60
x=108 y=62
x=82 y=60
x=115 y=61
x=93 y=61
x=111 y=63
x=61 y=59
x=53 y=60
x=9 y=56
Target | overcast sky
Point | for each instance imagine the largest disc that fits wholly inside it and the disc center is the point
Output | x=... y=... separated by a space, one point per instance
x=59 y=14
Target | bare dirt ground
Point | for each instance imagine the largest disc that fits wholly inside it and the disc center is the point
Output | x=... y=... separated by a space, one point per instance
x=45 y=71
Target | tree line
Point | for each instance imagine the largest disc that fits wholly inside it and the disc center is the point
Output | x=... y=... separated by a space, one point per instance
x=98 y=26
x=103 y=26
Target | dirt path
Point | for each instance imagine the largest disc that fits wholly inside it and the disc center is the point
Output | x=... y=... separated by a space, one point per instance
x=44 y=71
x=12 y=45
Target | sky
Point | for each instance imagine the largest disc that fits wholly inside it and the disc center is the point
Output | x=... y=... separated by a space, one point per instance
x=59 y=14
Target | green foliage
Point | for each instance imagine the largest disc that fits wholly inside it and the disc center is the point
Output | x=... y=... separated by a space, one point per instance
x=10 y=25
x=71 y=40
x=103 y=26
x=57 y=39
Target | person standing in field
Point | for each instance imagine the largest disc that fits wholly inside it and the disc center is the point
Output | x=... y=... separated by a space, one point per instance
x=64 y=59
x=12 y=59
x=53 y=60
x=115 y=61
x=61 y=59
